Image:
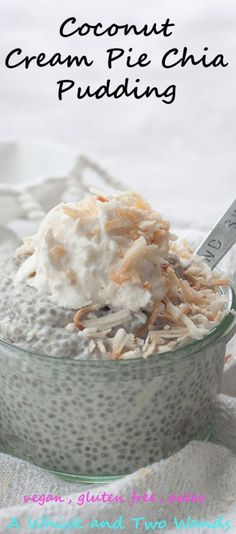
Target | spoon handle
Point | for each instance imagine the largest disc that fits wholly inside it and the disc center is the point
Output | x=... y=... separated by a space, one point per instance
x=220 y=239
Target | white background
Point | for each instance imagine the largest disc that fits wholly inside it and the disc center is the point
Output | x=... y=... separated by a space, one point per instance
x=183 y=154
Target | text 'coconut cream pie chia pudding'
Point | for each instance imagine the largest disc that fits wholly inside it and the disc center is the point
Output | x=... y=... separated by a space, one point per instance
x=113 y=339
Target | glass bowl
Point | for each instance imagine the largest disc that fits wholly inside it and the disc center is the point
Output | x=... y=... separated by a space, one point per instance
x=95 y=421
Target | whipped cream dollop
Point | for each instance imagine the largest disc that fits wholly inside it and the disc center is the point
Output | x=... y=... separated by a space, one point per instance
x=106 y=250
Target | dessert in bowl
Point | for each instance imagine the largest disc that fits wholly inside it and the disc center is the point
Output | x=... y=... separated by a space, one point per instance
x=113 y=337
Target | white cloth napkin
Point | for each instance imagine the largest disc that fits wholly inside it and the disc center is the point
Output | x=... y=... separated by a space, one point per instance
x=206 y=468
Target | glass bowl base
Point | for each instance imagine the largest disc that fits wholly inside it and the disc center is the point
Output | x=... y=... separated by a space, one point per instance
x=87 y=479
x=97 y=479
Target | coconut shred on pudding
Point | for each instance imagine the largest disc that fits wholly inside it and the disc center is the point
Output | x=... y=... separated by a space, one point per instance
x=104 y=278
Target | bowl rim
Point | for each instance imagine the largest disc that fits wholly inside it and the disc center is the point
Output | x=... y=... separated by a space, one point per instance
x=220 y=331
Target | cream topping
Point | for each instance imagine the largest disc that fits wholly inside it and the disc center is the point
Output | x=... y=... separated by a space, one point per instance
x=105 y=250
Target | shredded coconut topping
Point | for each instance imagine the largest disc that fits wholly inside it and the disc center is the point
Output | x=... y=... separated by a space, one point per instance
x=116 y=255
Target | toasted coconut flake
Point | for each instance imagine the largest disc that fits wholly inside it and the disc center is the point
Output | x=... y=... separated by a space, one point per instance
x=217 y=316
x=128 y=267
x=130 y=355
x=80 y=313
x=174 y=311
x=194 y=332
x=147 y=285
x=185 y=308
x=146 y=342
x=171 y=332
x=71 y=276
x=109 y=321
x=94 y=333
x=101 y=198
x=70 y=327
x=120 y=340
x=87 y=208
x=157 y=236
x=27 y=249
x=195 y=280
x=133 y=255
x=164 y=348
x=141 y=317
x=220 y=282
x=113 y=224
x=190 y=294
x=174 y=280
x=58 y=251
x=170 y=318
x=72 y=212
x=140 y=203
x=149 y=350
x=120 y=278
x=210 y=316
x=154 y=336
x=98 y=192
x=145 y=225
x=101 y=346
x=153 y=317
x=92 y=345
x=129 y=214
x=165 y=224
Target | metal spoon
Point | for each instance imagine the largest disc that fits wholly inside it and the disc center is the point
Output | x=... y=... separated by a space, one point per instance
x=220 y=239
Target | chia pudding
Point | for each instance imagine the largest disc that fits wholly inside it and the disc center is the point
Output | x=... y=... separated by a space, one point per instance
x=113 y=340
